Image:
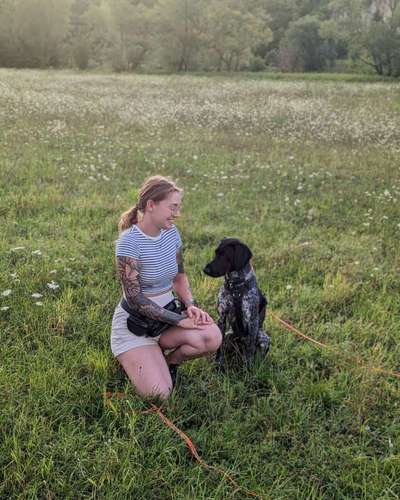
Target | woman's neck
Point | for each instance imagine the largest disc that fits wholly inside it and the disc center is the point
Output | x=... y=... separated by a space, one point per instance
x=148 y=228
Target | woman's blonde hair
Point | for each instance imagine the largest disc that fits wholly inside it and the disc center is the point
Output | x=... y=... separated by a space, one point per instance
x=156 y=188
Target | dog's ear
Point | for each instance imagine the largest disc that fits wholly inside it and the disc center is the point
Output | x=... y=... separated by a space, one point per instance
x=226 y=242
x=242 y=255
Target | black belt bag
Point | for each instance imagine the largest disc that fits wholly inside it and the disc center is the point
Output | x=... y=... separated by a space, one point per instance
x=143 y=326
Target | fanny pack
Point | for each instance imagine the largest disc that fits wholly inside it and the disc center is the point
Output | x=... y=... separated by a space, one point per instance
x=143 y=326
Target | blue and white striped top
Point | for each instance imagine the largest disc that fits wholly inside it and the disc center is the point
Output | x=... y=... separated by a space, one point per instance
x=156 y=256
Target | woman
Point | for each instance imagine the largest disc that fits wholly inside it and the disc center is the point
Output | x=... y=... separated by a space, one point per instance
x=150 y=266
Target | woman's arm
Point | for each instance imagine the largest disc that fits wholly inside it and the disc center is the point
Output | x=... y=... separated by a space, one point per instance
x=128 y=272
x=182 y=288
x=181 y=282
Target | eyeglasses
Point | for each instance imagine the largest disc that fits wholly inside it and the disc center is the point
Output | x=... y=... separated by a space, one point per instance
x=175 y=208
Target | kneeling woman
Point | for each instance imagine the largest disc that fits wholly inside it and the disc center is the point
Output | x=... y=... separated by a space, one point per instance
x=150 y=267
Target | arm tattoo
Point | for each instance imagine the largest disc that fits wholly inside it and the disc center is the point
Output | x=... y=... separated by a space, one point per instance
x=129 y=275
x=179 y=260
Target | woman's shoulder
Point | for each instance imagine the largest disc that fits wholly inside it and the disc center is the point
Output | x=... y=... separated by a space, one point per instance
x=130 y=233
x=128 y=243
x=173 y=234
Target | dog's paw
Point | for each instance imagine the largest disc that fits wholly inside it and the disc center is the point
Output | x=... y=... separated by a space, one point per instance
x=264 y=342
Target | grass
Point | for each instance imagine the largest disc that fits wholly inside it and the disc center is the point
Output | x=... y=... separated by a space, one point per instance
x=308 y=76
x=308 y=176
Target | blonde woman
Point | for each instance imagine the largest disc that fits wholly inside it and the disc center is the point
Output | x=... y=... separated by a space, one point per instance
x=151 y=270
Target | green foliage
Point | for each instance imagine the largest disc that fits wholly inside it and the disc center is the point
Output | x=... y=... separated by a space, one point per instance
x=304 y=40
x=195 y=35
x=373 y=39
x=382 y=43
x=81 y=54
x=37 y=30
x=234 y=28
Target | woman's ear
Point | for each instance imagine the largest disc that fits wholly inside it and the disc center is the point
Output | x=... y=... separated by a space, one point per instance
x=150 y=205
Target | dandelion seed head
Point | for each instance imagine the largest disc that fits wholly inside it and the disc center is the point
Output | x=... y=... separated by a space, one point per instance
x=52 y=285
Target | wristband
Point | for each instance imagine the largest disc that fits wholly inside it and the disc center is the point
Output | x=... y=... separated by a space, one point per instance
x=190 y=302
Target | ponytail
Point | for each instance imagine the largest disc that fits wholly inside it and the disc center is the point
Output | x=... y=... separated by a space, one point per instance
x=128 y=218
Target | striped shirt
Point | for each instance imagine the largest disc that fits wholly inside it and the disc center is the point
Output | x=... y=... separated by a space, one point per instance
x=156 y=256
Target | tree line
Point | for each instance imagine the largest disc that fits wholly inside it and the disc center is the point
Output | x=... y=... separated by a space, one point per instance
x=202 y=35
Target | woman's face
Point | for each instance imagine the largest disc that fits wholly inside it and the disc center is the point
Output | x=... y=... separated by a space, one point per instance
x=163 y=213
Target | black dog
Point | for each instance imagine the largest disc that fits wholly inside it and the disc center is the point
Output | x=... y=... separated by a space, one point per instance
x=241 y=304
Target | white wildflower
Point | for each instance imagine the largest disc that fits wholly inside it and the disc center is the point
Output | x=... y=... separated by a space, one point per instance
x=36 y=295
x=4 y=308
x=6 y=293
x=53 y=285
x=15 y=249
x=39 y=303
x=36 y=252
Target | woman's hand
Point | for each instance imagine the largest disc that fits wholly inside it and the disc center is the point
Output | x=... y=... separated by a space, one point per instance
x=199 y=316
x=190 y=324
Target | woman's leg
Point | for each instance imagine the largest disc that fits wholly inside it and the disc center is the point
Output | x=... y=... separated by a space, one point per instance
x=147 y=370
x=189 y=344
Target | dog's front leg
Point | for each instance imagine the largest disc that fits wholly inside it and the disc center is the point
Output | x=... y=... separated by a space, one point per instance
x=251 y=323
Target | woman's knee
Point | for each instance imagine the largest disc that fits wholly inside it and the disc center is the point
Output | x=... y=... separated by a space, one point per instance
x=212 y=338
x=148 y=372
x=161 y=391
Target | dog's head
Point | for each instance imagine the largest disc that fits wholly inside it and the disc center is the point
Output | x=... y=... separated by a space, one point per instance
x=230 y=255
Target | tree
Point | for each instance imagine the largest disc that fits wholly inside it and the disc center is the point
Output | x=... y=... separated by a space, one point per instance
x=372 y=32
x=179 y=27
x=304 y=42
x=7 y=48
x=381 y=41
x=234 y=28
x=39 y=28
x=77 y=40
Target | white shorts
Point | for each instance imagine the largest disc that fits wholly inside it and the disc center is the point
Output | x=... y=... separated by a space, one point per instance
x=122 y=339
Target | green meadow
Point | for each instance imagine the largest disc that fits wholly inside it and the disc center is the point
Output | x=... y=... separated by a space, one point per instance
x=307 y=174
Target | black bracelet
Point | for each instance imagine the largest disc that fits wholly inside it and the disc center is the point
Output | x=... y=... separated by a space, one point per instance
x=191 y=302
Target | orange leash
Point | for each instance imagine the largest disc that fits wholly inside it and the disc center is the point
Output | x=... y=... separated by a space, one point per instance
x=194 y=452
x=353 y=359
x=188 y=441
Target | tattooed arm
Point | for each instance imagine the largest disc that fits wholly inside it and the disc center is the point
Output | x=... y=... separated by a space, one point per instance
x=181 y=282
x=129 y=275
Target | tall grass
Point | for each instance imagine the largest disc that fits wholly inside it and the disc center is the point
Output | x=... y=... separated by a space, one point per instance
x=307 y=175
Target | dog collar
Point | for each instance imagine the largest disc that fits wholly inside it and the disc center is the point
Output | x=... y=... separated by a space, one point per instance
x=236 y=280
